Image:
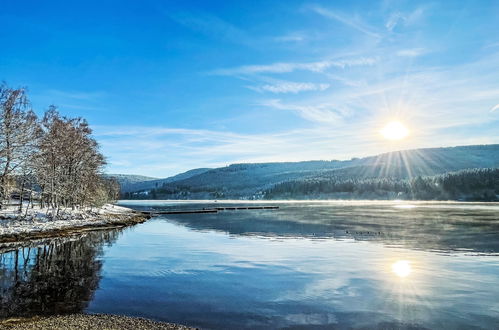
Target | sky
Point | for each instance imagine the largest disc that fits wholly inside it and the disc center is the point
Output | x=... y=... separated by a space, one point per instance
x=168 y=86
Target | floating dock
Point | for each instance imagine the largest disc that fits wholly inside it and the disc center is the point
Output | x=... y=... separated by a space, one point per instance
x=181 y=211
x=247 y=208
x=210 y=210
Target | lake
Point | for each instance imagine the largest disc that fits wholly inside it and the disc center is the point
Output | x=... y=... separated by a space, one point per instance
x=359 y=264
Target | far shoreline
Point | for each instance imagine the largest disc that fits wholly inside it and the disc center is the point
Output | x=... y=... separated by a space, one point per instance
x=123 y=202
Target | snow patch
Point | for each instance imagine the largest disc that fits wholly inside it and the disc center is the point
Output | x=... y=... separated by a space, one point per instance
x=47 y=219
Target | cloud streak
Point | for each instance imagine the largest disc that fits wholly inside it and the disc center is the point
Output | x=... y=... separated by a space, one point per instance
x=397 y=18
x=212 y=26
x=76 y=95
x=287 y=67
x=412 y=52
x=321 y=114
x=289 y=87
x=349 y=21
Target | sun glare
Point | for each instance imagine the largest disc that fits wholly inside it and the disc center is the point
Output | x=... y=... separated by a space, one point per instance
x=395 y=131
x=402 y=268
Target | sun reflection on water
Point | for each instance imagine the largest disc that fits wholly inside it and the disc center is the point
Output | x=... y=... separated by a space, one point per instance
x=402 y=268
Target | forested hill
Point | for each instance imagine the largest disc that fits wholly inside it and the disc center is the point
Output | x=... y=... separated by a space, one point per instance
x=130 y=183
x=480 y=184
x=257 y=180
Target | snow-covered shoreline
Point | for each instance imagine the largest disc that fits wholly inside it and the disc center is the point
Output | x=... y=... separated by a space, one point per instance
x=46 y=222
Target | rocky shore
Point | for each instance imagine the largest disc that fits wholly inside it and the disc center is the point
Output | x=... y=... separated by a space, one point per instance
x=88 y=321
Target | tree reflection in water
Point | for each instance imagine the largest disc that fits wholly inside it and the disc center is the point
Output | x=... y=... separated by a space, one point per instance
x=56 y=276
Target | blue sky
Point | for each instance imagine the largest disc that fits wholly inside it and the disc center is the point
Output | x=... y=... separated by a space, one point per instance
x=174 y=85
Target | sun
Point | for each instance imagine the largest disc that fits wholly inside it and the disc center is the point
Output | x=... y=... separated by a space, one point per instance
x=395 y=130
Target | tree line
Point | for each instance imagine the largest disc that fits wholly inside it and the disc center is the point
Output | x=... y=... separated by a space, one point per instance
x=471 y=184
x=481 y=184
x=53 y=160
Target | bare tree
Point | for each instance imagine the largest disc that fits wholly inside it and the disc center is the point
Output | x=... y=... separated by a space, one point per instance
x=69 y=162
x=19 y=133
x=57 y=158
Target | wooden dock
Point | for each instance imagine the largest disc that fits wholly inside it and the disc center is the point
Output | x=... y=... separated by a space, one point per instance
x=247 y=208
x=210 y=210
x=181 y=211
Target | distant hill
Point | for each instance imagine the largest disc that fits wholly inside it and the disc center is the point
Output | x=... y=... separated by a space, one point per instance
x=251 y=180
x=127 y=180
x=142 y=183
x=478 y=184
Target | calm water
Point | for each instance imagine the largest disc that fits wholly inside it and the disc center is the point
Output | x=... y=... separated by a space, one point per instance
x=307 y=265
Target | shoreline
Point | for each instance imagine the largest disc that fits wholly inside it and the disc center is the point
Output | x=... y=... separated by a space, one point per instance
x=88 y=321
x=36 y=225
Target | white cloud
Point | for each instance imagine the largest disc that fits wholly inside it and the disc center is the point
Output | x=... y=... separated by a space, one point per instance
x=341 y=123
x=286 y=67
x=292 y=37
x=397 y=18
x=431 y=99
x=275 y=68
x=393 y=20
x=491 y=45
x=321 y=114
x=354 y=23
x=160 y=152
x=412 y=52
x=290 y=87
x=75 y=95
x=337 y=125
x=416 y=15
x=213 y=26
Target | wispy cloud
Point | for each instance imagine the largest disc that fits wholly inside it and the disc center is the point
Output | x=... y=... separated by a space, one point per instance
x=212 y=26
x=410 y=18
x=353 y=22
x=430 y=98
x=393 y=20
x=274 y=68
x=291 y=37
x=339 y=125
x=286 y=67
x=321 y=113
x=290 y=87
x=491 y=45
x=75 y=95
x=412 y=52
x=330 y=75
x=161 y=152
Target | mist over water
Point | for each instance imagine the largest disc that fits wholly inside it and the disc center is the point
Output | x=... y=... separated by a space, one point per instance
x=308 y=264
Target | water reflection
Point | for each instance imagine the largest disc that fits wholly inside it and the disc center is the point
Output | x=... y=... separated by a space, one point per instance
x=402 y=268
x=55 y=276
x=442 y=227
x=304 y=266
